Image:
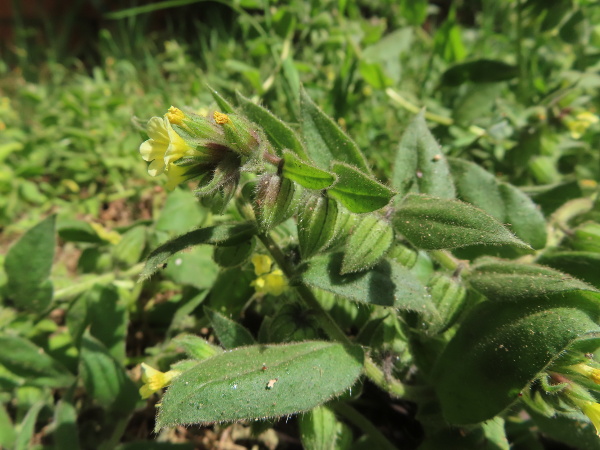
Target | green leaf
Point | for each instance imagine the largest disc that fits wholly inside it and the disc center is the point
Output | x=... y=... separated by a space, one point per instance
x=217 y=235
x=225 y=106
x=357 y=191
x=109 y=316
x=28 y=361
x=72 y=230
x=500 y=348
x=386 y=284
x=8 y=433
x=325 y=140
x=503 y=280
x=479 y=71
x=23 y=441
x=434 y=223
x=420 y=165
x=130 y=248
x=195 y=267
x=279 y=133
x=304 y=173
x=28 y=264
x=503 y=201
x=259 y=382
x=318 y=429
x=230 y=333
x=104 y=378
x=582 y=265
x=181 y=212
x=66 y=435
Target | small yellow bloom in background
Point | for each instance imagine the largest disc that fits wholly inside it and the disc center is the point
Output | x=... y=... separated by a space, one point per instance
x=154 y=380
x=262 y=264
x=581 y=123
x=221 y=118
x=107 y=235
x=155 y=148
x=268 y=282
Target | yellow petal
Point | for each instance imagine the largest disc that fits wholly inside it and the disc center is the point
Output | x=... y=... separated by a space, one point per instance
x=262 y=264
x=592 y=410
x=157 y=130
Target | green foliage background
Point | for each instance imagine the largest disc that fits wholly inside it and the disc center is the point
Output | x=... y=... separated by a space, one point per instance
x=503 y=84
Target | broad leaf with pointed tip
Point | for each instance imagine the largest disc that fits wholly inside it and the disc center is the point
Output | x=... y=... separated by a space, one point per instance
x=434 y=223
x=357 y=191
x=260 y=381
x=325 y=140
x=501 y=347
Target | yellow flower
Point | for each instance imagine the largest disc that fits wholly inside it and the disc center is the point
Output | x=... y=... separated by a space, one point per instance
x=581 y=123
x=592 y=410
x=268 y=282
x=154 y=380
x=262 y=264
x=155 y=148
x=175 y=176
x=587 y=371
x=163 y=148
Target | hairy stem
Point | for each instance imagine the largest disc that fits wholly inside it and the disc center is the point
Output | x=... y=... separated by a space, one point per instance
x=373 y=372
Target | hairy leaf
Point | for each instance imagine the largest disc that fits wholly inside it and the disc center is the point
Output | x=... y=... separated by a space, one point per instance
x=305 y=174
x=217 y=235
x=260 y=381
x=420 y=166
x=434 y=223
x=325 y=140
x=503 y=280
x=503 y=201
x=500 y=348
x=357 y=191
x=386 y=284
x=279 y=134
x=230 y=333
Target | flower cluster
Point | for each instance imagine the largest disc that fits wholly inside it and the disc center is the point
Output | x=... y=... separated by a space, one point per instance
x=187 y=146
x=269 y=281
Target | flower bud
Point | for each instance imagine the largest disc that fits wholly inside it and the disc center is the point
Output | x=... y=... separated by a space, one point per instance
x=587 y=237
x=403 y=255
x=239 y=133
x=346 y=220
x=194 y=127
x=448 y=295
x=317 y=217
x=367 y=244
x=276 y=200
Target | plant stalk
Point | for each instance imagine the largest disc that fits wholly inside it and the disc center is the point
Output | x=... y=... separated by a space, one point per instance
x=373 y=372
